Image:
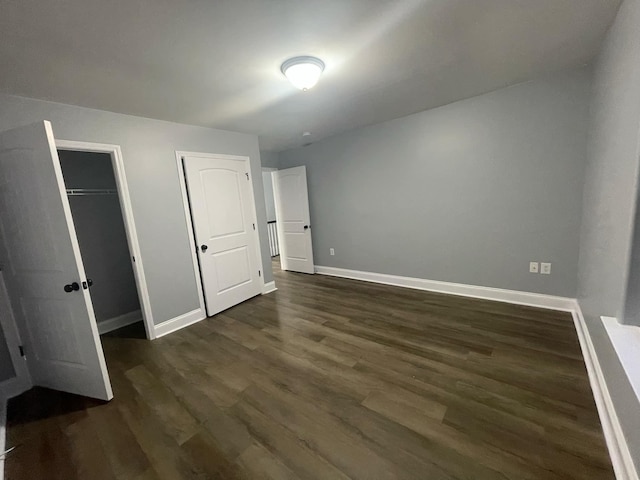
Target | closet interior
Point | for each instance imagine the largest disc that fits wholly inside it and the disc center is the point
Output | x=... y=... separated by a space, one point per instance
x=95 y=206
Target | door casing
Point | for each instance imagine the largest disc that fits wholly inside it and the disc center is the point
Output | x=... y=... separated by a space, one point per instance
x=129 y=223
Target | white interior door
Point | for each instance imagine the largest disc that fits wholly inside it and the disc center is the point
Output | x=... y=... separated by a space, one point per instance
x=292 y=217
x=44 y=271
x=224 y=223
x=21 y=382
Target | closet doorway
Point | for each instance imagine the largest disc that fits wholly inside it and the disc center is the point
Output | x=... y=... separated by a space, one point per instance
x=96 y=188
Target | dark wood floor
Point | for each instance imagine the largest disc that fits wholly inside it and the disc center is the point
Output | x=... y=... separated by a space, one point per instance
x=329 y=378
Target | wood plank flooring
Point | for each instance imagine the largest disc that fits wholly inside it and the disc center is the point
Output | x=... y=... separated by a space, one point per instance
x=332 y=379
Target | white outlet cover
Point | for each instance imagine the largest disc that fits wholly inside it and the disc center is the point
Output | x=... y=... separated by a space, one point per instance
x=533 y=267
x=545 y=268
x=332 y=251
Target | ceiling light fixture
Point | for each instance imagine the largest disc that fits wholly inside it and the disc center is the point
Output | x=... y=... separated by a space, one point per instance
x=303 y=72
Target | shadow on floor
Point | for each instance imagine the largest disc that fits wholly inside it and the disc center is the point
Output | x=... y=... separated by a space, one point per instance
x=135 y=330
x=41 y=403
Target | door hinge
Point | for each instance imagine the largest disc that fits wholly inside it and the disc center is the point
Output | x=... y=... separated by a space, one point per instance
x=254 y=226
x=21 y=348
x=134 y=258
x=259 y=273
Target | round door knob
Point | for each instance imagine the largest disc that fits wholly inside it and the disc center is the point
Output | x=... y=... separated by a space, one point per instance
x=306 y=227
x=203 y=248
x=72 y=287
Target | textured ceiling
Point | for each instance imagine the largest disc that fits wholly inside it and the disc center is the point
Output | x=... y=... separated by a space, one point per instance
x=217 y=63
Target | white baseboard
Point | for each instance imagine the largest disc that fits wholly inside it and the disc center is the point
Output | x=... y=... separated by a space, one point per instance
x=120 y=321
x=269 y=287
x=179 y=322
x=621 y=458
x=474 y=291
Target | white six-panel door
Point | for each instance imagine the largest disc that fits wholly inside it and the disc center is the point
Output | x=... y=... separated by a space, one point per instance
x=293 y=220
x=43 y=267
x=223 y=214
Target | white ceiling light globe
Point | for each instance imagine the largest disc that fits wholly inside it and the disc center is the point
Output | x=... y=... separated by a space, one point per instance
x=303 y=72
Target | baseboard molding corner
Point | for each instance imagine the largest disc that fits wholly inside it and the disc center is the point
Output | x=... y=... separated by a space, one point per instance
x=621 y=458
x=269 y=287
x=179 y=322
x=120 y=321
x=474 y=291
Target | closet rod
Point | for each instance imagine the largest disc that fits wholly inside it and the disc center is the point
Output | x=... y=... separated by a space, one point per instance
x=72 y=192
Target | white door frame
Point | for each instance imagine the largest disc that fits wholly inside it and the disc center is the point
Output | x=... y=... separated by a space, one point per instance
x=187 y=213
x=128 y=217
x=270 y=171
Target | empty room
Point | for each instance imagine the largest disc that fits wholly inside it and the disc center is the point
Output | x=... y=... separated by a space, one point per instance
x=363 y=239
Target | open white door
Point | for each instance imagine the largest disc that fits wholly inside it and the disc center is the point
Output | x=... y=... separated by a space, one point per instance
x=292 y=217
x=21 y=382
x=224 y=223
x=44 y=272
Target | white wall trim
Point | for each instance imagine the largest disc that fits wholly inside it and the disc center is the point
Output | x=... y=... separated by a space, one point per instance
x=179 y=322
x=626 y=342
x=120 y=321
x=129 y=222
x=621 y=458
x=269 y=287
x=474 y=291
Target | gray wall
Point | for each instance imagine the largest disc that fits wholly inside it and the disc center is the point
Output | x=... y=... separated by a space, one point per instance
x=269 y=159
x=101 y=234
x=610 y=195
x=148 y=148
x=468 y=193
x=269 y=200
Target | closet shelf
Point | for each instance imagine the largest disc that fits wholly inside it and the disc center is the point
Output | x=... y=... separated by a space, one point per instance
x=72 y=192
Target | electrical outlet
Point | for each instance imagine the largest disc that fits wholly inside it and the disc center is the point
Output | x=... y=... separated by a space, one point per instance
x=533 y=267
x=545 y=268
x=332 y=251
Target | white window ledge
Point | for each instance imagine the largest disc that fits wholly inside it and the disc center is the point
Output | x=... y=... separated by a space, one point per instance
x=626 y=342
